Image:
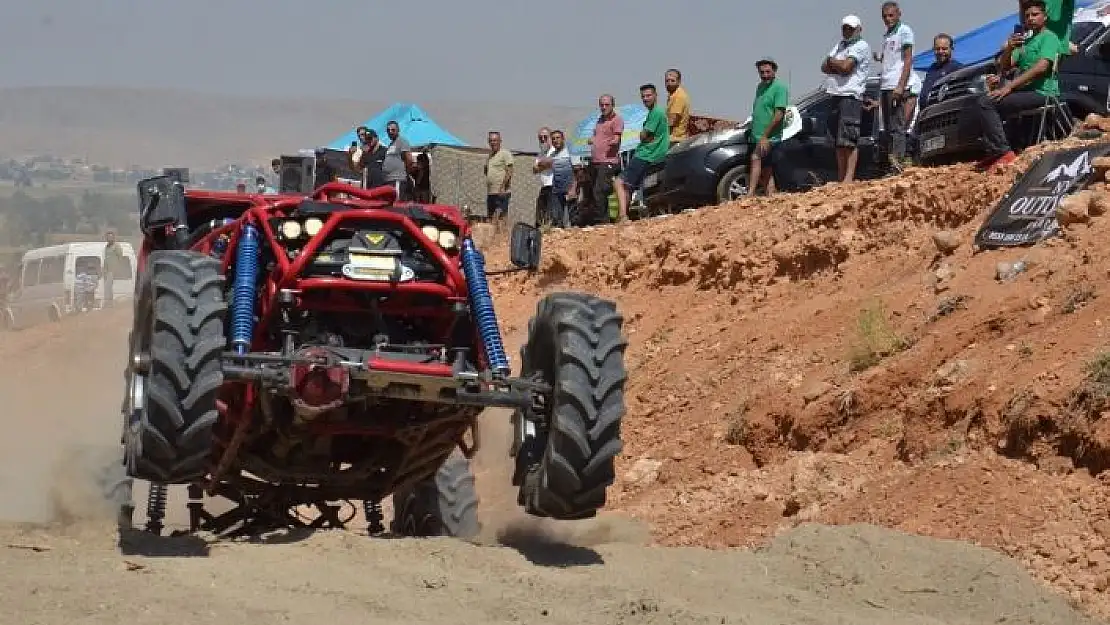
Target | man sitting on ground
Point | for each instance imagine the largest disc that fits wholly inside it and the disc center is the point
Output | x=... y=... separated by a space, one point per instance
x=1035 y=82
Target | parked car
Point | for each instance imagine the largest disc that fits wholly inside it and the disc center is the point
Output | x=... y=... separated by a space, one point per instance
x=712 y=168
x=948 y=128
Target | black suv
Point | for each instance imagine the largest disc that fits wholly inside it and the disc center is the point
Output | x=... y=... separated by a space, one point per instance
x=712 y=168
x=948 y=127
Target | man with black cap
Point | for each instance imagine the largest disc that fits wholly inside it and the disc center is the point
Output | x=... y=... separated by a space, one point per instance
x=768 y=112
x=847 y=67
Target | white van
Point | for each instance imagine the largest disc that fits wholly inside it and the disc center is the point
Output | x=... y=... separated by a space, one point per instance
x=44 y=289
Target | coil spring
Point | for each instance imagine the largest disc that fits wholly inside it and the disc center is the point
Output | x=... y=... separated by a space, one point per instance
x=243 y=290
x=481 y=306
x=156 y=499
x=374 y=516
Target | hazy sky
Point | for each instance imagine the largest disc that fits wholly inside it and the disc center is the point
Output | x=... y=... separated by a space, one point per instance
x=564 y=53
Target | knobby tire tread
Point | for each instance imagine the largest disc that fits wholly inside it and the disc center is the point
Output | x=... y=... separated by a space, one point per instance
x=186 y=374
x=445 y=504
x=581 y=337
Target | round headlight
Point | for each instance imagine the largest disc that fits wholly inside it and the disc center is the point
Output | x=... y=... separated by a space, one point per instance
x=313 y=225
x=431 y=232
x=447 y=240
x=290 y=229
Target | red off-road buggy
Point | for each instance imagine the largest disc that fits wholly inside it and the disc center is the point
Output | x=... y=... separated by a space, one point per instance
x=298 y=351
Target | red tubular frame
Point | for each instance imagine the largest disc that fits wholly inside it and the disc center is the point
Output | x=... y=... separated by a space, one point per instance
x=362 y=205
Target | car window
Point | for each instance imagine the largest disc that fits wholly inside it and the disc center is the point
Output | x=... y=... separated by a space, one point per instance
x=1081 y=31
x=819 y=109
x=86 y=264
x=53 y=268
x=31 y=273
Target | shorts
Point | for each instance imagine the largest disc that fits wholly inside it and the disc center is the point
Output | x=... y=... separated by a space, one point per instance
x=845 y=121
x=497 y=205
x=633 y=175
x=771 y=158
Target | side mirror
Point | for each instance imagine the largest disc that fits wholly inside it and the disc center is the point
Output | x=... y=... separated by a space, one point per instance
x=524 y=246
x=161 y=203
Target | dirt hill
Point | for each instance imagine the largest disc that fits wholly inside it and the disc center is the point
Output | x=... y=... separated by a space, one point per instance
x=815 y=358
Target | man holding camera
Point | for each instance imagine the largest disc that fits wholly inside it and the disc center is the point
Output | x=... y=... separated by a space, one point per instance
x=1033 y=54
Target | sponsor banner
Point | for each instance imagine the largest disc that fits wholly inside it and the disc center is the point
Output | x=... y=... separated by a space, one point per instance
x=1027 y=213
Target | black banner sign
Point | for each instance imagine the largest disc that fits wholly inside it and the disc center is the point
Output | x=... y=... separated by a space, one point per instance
x=1027 y=213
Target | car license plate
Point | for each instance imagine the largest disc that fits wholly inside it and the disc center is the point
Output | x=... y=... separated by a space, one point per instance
x=370 y=267
x=374 y=261
x=651 y=181
x=932 y=144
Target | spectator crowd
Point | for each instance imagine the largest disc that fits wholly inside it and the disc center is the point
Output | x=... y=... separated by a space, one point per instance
x=1026 y=76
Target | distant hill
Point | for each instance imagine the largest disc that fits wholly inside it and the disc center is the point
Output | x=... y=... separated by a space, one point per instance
x=123 y=126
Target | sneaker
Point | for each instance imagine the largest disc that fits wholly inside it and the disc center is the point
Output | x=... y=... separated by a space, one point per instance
x=1003 y=160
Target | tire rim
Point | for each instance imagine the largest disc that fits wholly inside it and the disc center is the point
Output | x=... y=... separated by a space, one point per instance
x=138 y=369
x=738 y=188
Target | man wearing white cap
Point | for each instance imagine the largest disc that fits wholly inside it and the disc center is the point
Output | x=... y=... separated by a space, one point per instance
x=847 y=66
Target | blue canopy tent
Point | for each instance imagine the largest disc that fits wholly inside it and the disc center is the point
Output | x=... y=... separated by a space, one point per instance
x=634 y=116
x=979 y=44
x=417 y=127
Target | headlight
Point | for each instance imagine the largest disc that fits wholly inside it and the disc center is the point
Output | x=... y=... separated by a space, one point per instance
x=978 y=85
x=719 y=136
x=431 y=232
x=291 y=229
x=448 y=240
x=313 y=225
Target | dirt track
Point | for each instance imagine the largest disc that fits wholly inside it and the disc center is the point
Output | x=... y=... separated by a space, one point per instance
x=62 y=389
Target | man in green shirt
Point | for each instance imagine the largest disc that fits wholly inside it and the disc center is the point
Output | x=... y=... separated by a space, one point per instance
x=1033 y=58
x=765 y=133
x=1059 y=14
x=655 y=141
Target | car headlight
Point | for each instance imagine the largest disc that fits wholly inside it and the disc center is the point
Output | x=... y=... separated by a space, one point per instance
x=431 y=232
x=313 y=225
x=978 y=85
x=291 y=229
x=448 y=240
x=719 y=136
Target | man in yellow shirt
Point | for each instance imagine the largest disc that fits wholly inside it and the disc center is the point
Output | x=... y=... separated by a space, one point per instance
x=678 y=105
x=498 y=171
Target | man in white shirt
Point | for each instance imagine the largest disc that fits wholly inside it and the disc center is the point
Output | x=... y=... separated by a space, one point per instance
x=846 y=67
x=896 y=57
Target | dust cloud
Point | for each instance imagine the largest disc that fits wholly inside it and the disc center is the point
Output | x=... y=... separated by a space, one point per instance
x=503 y=521
x=62 y=385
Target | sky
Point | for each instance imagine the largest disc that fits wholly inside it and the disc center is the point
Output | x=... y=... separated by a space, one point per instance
x=522 y=51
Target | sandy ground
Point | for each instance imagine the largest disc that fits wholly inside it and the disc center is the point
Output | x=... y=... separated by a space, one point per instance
x=754 y=489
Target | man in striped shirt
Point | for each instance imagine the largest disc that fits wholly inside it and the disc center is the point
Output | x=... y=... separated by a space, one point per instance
x=562 y=179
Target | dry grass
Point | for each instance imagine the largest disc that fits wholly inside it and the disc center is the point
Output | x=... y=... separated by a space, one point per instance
x=874 y=339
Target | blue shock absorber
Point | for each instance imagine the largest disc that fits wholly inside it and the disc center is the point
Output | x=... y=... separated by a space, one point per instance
x=481 y=306
x=243 y=290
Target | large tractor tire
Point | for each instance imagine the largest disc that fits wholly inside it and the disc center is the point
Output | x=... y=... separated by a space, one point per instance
x=174 y=370
x=445 y=504
x=565 y=451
